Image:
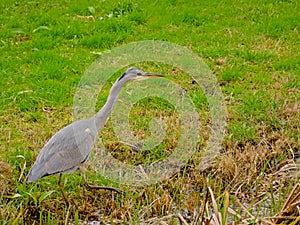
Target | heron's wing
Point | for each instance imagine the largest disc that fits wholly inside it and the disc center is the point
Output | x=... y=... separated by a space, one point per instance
x=65 y=151
x=70 y=147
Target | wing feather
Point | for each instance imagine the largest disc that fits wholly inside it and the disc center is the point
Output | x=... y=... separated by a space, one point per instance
x=65 y=151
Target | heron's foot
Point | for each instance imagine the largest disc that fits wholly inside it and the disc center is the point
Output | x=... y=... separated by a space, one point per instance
x=104 y=188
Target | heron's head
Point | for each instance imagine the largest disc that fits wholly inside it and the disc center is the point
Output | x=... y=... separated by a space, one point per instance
x=136 y=74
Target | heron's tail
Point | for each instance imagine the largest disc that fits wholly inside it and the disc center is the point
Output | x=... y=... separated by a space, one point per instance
x=35 y=173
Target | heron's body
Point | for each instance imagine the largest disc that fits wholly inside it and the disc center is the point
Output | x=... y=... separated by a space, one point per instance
x=64 y=153
x=70 y=147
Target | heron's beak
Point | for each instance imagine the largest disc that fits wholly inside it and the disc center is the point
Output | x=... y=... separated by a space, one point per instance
x=152 y=75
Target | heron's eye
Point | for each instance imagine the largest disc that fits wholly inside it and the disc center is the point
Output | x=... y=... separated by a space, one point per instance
x=139 y=74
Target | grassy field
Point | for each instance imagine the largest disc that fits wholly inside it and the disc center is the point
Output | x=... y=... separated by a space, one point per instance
x=251 y=46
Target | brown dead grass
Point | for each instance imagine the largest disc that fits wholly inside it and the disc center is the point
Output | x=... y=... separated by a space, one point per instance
x=186 y=198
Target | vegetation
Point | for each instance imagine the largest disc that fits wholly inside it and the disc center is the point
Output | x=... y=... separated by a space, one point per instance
x=251 y=46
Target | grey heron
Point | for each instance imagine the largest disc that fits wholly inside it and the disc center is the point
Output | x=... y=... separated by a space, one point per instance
x=69 y=148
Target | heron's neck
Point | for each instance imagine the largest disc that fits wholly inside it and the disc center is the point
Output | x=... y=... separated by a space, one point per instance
x=105 y=111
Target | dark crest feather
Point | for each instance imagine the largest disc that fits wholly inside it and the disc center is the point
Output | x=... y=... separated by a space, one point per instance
x=122 y=76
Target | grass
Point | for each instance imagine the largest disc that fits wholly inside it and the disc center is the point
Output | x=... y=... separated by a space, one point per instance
x=252 y=48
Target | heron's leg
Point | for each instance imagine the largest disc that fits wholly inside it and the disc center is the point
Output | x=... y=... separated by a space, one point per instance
x=82 y=170
x=62 y=190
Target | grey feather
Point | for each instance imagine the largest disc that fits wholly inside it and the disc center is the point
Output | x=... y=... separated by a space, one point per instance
x=64 y=153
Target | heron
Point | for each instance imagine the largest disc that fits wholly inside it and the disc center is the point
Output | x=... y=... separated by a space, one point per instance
x=69 y=149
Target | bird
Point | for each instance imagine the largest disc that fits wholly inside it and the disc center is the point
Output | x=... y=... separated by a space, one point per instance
x=69 y=149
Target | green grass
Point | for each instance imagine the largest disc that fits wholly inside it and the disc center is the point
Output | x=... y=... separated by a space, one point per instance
x=251 y=47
